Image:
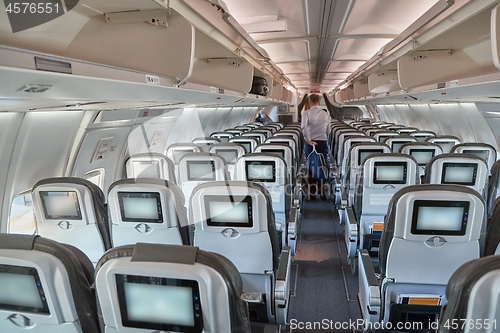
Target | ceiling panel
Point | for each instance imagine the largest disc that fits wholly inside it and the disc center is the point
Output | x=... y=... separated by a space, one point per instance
x=288 y=51
x=384 y=16
x=344 y=66
x=295 y=67
x=299 y=77
x=358 y=49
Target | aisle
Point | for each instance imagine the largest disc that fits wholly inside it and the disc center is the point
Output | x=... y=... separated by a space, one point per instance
x=324 y=289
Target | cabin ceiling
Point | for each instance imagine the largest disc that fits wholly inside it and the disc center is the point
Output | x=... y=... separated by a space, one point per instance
x=325 y=40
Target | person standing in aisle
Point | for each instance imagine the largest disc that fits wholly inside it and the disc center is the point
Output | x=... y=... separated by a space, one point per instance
x=315 y=128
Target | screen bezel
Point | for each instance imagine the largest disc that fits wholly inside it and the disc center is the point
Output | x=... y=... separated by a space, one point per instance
x=372 y=151
x=190 y=163
x=121 y=279
x=224 y=198
x=458 y=164
x=422 y=150
x=48 y=216
x=398 y=164
x=439 y=203
x=400 y=143
x=23 y=270
x=276 y=151
x=271 y=163
x=150 y=163
x=147 y=195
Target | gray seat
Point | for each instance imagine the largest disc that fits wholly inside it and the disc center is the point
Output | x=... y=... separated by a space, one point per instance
x=230 y=152
x=206 y=142
x=236 y=219
x=384 y=135
x=72 y=211
x=472 y=294
x=148 y=211
x=423 y=152
x=177 y=150
x=247 y=142
x=493 y=187
x=459 y=169
x=150 y=165
x=422 y=136
x=45 y=287
x=446 y=142
x=222 y=136
x=156 y=287
x=381 y=176
x=486 y=151
x=436 y=228
x=395 y=142
x=196 y=168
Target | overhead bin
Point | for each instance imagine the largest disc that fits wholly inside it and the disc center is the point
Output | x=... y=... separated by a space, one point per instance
x=277 y=92
x=382 y=82
x=361 y=89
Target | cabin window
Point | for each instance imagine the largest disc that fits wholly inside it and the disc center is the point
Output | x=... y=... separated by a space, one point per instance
x=21 y=218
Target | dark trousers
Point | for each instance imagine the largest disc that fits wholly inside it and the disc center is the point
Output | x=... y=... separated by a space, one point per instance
x=313 y=185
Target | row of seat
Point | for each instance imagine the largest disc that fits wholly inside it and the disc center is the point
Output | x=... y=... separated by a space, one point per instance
x=238 y=219
x=414 y=238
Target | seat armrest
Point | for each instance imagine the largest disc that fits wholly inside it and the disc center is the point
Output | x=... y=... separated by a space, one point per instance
x=343 y=197
x=351 y=232
x=369 y=296
x=282 y=285
x=292 y=222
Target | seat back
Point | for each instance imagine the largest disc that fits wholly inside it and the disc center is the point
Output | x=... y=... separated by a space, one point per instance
x=177 y=150
x=72 y=211
x=222 y=136
x=148 y=211
x=395 y=142
x=247 y=142
x=167 y=288
x=428 y=225
x=266 y=131
x=406 y=130
x=45 y=287
x=230 y=152
x=343 y=154
x=150 y=165
x=196 y=168
x=483 y=150
x=382 y=175
x=422 y=136
x=260 y=137
x=423 y=152
x=342 y=138
x=459 y=169
x=446 y=142
x=234 y=132
x=286 y=141
x=357 y=155
x=285 y=152
x=270 y=171
x=236 y=220
x=384 y=135
x=472 y=294
x=206 y=142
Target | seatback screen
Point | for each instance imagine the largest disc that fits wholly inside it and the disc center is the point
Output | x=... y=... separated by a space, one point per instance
x=229 y=211
x=459 y=173
x=145 y=169
x=140 y=207
x=262 y=171
x=364 y=153
x=382 y=138
x=255 y=136
x=21 y=290
x=279 y=152
x=161 y=304
x=59 y=205
x=201 y=170
x=230 y=155
x=389 y=173
x=445 y=145
x=423 y=156
x=396 y=145
x=223 y=138
x=436 y=217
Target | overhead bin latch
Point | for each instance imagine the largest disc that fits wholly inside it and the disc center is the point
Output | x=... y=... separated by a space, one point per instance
x=430 y=53
x=156 y=17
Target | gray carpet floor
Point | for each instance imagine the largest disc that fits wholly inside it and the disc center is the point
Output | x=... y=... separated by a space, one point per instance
x=323 y=287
